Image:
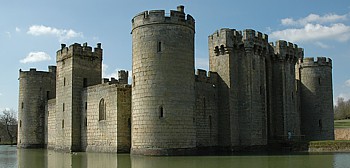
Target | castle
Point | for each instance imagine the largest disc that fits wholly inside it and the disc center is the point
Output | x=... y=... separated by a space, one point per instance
x=256 y=93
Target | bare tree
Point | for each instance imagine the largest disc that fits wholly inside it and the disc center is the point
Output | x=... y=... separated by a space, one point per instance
x=9 y=121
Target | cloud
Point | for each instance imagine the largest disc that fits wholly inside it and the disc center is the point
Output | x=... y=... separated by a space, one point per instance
x=8 y=34
x=312 y=32
x=114 y=74
x=18 y=29
x=61 y=34
x=322 y=45
x=35 y=57
x=314 y=18
x=347 y=83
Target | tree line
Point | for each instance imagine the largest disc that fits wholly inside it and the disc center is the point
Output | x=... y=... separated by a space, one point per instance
x=342 y=109
x=8 y=127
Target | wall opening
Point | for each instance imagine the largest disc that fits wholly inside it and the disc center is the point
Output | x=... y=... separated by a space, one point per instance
x=62 y=123
x=47 y=95
x=129 y=122
x=63 y=107
x=85 y=106
x=85 y=82
x=319 y=81
x=161 y=112
x=20 y=123
x=85 y=121
x=320 y=123
x=102 y=110
x=133 y=81
x=22 y=105
x=64 y=81
x=159 y=46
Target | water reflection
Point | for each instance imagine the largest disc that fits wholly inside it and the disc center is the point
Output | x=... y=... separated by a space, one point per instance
x=53 y=159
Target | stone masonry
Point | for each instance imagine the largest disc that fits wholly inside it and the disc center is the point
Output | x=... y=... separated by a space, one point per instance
x=255 y=94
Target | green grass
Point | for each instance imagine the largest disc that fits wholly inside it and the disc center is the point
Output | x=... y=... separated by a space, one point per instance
x=341 y=123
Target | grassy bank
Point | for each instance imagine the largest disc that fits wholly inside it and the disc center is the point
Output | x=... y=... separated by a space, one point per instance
x=329 y=146
x=342 y=123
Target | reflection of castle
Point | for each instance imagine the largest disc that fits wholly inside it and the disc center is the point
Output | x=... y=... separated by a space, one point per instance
x=256 y=93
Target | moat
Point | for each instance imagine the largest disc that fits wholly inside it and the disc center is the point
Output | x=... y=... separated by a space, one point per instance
x=10 y=156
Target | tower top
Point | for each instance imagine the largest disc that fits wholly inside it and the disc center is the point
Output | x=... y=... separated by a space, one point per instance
x=160 y=17
x=311 y=62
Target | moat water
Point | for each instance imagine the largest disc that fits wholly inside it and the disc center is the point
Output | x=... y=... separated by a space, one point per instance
x=38 y=158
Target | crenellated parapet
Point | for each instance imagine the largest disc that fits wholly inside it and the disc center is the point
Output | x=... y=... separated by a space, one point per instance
x=160 y=17
x=122 y=78
x=311 y=62
x=78 y=50
x=225 y=40
x=203 y=76
x=33 y=72
x=287 y=51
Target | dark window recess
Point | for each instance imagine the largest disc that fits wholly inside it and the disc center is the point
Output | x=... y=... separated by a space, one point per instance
x=129 y=122
x=64 y=81
x=63 y=107
x=133 y=80
x=161 y=112
x=159 y=46
x=85 y=82
x=319 y=81
x=85 y=121
x=320 y=124
x=85 y=105
x=47 y=95
x=22 y=106
x=62 y=123
x=20 y=123
x=102 y=110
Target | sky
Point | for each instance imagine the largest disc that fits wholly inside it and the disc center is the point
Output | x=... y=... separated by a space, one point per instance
x=31 y=32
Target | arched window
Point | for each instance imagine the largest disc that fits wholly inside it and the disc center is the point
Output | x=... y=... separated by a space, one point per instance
x=102 y=110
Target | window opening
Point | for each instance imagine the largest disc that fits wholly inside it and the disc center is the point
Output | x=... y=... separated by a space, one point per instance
x=159 y=46
x=102 y=110
x=85 y=82
x=161 y=112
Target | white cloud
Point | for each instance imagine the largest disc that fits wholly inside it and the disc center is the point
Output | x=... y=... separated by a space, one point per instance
x=35 y=57
x=18 y=29
x=8 y=34
x=347 y=83
x=322 y=45
x=314 y=18
x=61 y=34
x=312 y=32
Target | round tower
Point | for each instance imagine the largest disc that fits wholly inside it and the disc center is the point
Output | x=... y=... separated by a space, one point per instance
x=35 y=88
x=316 y=98
x=163 y=83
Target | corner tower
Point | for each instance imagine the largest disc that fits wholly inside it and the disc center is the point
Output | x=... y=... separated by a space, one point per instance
x=35 y=88
x=77 y=67
x=163 y=82
x=316 y=97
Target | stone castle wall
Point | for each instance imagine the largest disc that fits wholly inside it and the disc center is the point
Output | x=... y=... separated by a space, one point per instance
x=316 y=98
x=163 y=82
x=106 y=118
x=35 y=88
x=206 y=109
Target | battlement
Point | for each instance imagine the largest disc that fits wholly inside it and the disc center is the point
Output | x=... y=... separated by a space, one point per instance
x=287 y=51
x=201 y=76
x=79 y=50
x=159 y=16
x=320 y=61
x=252 y=35
x=34 y=72
x=122 y=78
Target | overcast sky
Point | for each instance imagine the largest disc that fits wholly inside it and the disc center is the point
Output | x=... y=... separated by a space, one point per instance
x=31 y=31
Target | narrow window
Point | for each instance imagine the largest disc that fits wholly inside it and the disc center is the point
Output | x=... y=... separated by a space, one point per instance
x=47 y=95
x=133 y=80
x=102 y=110
x=64 y=81
x=85 y=121
x=20 y=123
x=320 y=123
x=62 y=123
x=319 y=81
x=159 y=46
x=85 y=105
x=85 y=82
x=292 y=95
x=63 y=107
x=48 y=113
x=22 y=105
x=161 y=112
